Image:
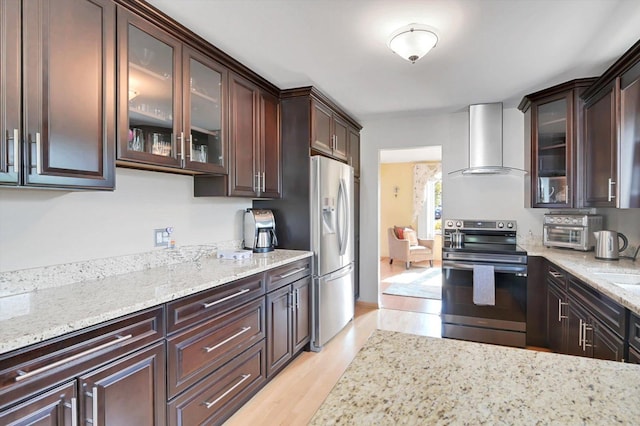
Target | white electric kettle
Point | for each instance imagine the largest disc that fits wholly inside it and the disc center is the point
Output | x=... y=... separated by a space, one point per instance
x=607 y=247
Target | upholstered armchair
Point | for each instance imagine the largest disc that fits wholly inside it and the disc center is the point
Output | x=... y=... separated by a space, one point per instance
x=409 y=248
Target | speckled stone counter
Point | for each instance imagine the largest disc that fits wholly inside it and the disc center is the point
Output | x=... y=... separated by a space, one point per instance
x=31 y=313
x=414 y=380
x=584 y=265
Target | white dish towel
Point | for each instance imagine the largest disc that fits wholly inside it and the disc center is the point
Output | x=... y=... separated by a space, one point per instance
x=484 y=285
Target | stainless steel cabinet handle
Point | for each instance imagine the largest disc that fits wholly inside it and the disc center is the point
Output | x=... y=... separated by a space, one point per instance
x=257 y=187
x=560 y=316
x=224 y=299
x=190 y=147
x=24 y=375
x=73 y=406
x=215 y=401
x=585 y=327
x=227 y=340
x=263 y=187
x=610 y=191
x=94 y=405
x=16 y=150
x=580 y=333
x=566 y=193
x=182 y=153
x=556 y=274
x=38 y=155
x=297 y=298
x=74 y=411
x=288 y=274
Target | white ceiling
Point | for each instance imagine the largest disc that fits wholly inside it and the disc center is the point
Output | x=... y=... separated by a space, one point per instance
x=488 y=50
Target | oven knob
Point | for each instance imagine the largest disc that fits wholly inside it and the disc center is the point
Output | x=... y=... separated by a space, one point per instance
x=458 y=224
x=509 y=225
x=500 y=225
x=449 y=224
x=567 y=220
x=575 y=221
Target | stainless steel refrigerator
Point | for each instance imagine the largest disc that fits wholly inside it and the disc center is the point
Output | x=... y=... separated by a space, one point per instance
x=331 y=227
x=316 y=213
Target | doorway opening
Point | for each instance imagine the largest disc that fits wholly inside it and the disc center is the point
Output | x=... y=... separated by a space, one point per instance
x=411 y=198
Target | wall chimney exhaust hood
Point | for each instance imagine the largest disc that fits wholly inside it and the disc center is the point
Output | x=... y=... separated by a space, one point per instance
x=485 y=141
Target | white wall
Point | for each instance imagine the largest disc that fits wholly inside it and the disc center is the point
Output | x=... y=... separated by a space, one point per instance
x=468 y=197
x=47 y=227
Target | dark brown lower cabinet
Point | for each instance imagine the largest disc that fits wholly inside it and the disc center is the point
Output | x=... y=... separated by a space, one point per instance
x=130 y=391
x=556 y=319
x=288 y=317
x=55 y=407
x=110 y=374
x=634 y=356
x=536 y=301
x=581 y=321
x=218 y=396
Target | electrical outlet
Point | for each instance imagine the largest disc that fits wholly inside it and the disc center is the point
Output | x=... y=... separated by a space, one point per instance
x=161 y=237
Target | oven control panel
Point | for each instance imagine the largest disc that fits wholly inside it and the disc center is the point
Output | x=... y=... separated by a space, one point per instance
x=466 y=224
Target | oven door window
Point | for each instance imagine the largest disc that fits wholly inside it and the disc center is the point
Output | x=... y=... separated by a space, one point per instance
x=565 y=235
x=511 y=296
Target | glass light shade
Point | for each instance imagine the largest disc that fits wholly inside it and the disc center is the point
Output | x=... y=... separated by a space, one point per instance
x=413 y=41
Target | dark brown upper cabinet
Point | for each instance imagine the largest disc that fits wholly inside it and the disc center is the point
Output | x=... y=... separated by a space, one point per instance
x=329 y=130
x=58 y=93
x=254 y=148
x=354 y=150
x=553 y=133
x=611 y=155
x=329 y=133
x=172 y=101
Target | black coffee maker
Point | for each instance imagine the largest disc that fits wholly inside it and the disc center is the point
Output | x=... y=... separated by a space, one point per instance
x=259 y=230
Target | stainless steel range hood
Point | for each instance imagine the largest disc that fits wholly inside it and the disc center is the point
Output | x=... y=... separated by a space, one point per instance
x=485 y=141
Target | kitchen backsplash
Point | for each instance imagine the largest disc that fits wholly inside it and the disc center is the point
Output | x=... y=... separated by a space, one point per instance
x=25 y=280
x=42 y=227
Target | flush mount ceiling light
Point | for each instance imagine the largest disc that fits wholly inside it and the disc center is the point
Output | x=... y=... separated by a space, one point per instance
x=412 y=41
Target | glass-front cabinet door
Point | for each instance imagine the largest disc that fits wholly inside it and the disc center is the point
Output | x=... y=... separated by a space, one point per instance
x=553 y=151
x=149 y=84
x=204 y=113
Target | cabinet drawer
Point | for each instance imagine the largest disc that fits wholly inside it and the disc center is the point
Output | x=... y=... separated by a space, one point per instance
x=634 y=356
x=201 y=350
x=600 y=306
x=557 y=276
x=218 y=396
x=634 y=331
x=31 y=369
x=205 y=305
x=287 y=274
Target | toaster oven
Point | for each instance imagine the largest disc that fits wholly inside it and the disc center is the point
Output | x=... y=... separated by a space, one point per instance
x=574 y=231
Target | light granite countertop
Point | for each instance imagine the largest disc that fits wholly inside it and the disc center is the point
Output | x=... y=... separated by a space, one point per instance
x=43 y=303
x=403 y=379
x=584 y=265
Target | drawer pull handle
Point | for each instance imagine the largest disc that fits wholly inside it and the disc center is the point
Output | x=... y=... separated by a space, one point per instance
x=215 y=401
x=288 y=274
x=555 y=274
x=224 y=299
x=25 y=375
x=227 y=340
x=94 y=402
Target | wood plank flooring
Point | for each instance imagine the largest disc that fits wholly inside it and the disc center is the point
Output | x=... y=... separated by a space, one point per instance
x=295 y=394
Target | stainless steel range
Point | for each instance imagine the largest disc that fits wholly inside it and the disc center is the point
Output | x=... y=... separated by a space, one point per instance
x=484 y=254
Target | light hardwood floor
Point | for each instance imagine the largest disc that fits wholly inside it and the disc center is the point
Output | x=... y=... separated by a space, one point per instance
x=295 y=394
x=413 y=304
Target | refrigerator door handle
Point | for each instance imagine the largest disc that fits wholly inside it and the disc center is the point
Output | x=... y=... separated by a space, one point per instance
x=343 y=218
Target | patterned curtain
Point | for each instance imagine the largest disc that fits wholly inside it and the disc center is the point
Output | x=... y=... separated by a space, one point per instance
x=422 y=173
